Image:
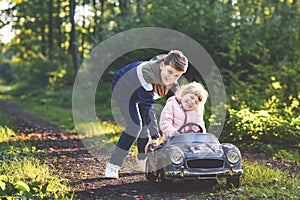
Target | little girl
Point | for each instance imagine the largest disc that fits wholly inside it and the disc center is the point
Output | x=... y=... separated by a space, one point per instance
x=186 y=106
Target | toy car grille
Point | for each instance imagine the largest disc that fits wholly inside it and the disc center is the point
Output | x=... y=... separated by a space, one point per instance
x=205 y=163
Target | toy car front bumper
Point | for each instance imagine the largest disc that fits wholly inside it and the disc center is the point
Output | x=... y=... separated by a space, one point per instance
x=186 y=174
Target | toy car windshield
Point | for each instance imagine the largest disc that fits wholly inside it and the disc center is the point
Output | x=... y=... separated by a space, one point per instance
x=193 y=138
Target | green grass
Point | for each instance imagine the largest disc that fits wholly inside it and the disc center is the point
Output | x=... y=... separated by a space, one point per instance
x=262 y=181
x=56 y=106
x=5 y=123
x=287 y=155
x=4 y=88
x=103 y=99
x=259 y=182
x=22 y=174
x=61 y=98
x=58 y=116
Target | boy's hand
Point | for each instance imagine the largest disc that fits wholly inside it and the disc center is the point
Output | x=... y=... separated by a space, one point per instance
x=153 y=142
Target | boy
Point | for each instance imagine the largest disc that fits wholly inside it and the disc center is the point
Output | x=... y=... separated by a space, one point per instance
x=135 y=89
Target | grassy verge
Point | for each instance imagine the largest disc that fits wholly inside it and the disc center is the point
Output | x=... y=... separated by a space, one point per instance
x=23 y=176
x=263 y=182
x=259 y=182
x=56 y=106
x=55 y=115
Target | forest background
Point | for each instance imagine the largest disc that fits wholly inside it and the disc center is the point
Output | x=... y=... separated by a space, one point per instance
x=254 y=43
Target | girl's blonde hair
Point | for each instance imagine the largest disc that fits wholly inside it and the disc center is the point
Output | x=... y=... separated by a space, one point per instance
x=193 y=88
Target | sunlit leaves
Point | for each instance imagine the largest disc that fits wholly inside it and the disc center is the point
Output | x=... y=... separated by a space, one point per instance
x=276 y=85
x=6 y=133
x=271 y=126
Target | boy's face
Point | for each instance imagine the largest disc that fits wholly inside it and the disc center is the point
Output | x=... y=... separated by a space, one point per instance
x=168 y=74
x=189 y=101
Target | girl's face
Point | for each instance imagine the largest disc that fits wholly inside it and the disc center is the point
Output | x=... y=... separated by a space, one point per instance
x=168 y=74
x=189 y=102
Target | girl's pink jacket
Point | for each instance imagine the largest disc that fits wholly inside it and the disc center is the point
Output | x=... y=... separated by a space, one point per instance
x=173 y=117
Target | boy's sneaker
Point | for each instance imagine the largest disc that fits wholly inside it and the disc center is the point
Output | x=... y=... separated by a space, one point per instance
x=112 y=171
x=142 y=164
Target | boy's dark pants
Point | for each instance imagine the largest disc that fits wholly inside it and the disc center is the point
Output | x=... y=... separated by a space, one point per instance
x=133 y=131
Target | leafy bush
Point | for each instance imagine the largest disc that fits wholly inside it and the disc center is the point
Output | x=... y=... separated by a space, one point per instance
x=267 y=128
x=6 y=76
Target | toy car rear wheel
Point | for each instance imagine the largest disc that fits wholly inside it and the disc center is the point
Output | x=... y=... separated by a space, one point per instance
x=233 y=182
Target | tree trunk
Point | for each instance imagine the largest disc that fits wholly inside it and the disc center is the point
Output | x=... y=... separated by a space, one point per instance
x=98 y=21
x=124 y=7
x=43 y=45
x=139 y=6
x=59 y=38
x=73 y=49
x=50 y=33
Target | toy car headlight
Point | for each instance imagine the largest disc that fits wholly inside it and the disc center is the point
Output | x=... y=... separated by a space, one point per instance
x=233 y=156
x=176 y=157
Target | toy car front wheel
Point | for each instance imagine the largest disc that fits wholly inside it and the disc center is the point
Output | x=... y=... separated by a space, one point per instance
x=233 y=182
x=163 y=183
x=149 y=173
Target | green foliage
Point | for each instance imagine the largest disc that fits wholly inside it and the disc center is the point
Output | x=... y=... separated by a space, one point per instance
x=250 y=41
x=255 y=45
x=22 y=174
x=6 y=133
x=62 y=98
x=21 y=189
x=32 y=73
x=263 y=127
x=41 y=73
x=28 y=178
x=103 y=100
x=6 y=76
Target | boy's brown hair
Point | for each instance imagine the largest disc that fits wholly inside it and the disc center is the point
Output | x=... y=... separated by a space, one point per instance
x=177 y=60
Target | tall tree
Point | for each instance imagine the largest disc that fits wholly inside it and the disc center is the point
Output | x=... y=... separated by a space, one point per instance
x=50 y=29
x=73 y=49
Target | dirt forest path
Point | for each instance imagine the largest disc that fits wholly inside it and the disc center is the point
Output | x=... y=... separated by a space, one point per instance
x=68 y=157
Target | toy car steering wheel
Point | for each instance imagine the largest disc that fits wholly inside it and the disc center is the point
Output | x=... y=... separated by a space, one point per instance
x=190 y=130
